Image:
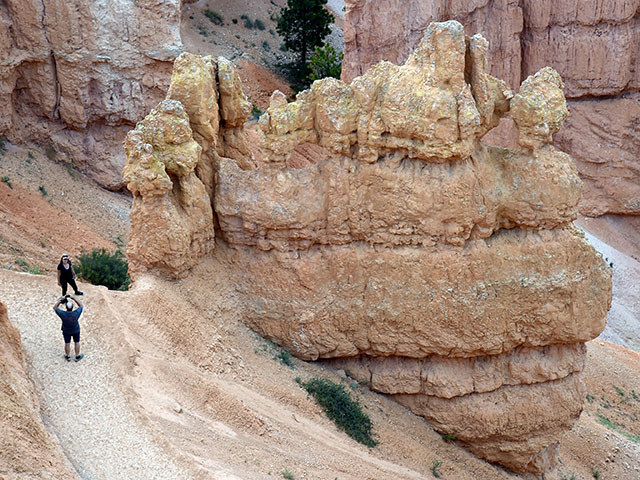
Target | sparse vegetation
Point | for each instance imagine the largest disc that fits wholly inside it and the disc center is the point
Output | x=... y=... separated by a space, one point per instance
x=325 y=62
x=7 y=180
x=448 y=437
x=345 y=412
x=612 y=426
x=256 y=112
x=596 y=474
x=234 y=20
x=265 y=46
x=103 y=268
x=34 y=270
x=71 y=170
x=278 y=353
x=215 y=17
x=259 y=24
x=42 y=190
x=3 y=146
x=21 y=262
x=287 y=474
x=435 y=468
x=285 y=358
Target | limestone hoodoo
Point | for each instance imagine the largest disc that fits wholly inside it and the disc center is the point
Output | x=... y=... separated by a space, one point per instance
x=443 y=272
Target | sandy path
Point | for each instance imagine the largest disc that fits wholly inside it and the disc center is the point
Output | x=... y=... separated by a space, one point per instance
x=82 y=403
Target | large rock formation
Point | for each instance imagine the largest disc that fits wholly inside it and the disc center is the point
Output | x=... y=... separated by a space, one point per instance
x=76 y=75
x=28 y=450
x=442 y=271
x=593 y=44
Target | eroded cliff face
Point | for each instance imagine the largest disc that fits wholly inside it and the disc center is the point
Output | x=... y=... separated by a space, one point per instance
x=594 y=45
x=440 y=270
x=76 y=75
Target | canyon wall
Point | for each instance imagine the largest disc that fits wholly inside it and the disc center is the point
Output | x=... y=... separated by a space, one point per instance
x=76 y=75
x=442 y=271
x=593 y=44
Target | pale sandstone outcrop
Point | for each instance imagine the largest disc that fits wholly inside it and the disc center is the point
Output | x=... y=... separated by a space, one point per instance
x=444 y=272
x=28 y=450
x=171 y=215
x=594 y=45
x=76 y=75
x=171 y=156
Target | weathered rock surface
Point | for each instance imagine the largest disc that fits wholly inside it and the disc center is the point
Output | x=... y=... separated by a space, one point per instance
x=445 y=272
x=28 y=450
x=594 y=45
x=171 y=157
x=171 y=216
x=76 y=75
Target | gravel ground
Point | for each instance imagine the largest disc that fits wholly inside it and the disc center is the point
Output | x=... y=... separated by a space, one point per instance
x=82 y=403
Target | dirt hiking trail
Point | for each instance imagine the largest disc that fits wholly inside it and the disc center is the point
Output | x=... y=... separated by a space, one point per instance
x=83 y=402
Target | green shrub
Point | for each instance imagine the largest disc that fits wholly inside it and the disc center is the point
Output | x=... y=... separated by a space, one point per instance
x=256 y=112
x=448 y=437
x=43 y=190
x=435 y=466
x=248 y=23
x=285 y=358
x=34 y=270
x=3 y=146
x=102 y=268
x=215 y=17
x=325 y=62
x=259 y=24
x=7 y=180
x=265 y=46
x=287 y=474
x=345 y=412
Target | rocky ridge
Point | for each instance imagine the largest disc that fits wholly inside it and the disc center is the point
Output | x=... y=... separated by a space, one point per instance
x=594 y=45
x=411 y=248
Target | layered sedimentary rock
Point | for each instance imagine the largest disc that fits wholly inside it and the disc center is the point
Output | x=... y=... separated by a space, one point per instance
x=171 y=156
x=76 y=75
x=594 y=45
x=442 y=271
x=28 y=450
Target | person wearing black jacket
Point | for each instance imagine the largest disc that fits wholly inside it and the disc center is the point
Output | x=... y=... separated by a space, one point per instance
x=66 y=275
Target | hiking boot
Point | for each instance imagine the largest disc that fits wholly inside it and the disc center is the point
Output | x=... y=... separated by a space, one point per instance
x=79 y=293
x=67 y=358
x=79 y=357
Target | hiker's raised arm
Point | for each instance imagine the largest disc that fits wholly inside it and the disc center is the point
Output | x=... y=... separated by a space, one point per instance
x=72 y=297
x=60 y=300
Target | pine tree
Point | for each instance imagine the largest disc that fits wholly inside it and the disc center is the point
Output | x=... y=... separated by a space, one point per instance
x=304 y=24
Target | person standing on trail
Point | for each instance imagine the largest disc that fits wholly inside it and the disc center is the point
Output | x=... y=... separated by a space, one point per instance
x=70 y=325
x=67 y=275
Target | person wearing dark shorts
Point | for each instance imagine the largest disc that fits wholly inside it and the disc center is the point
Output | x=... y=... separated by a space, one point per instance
x=70 y=324
x=66 y=275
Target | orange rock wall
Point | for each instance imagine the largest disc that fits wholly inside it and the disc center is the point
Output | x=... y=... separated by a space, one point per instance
x=76 y=76
x=593 y=44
